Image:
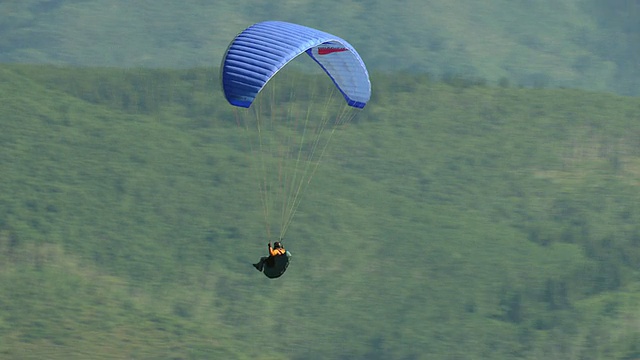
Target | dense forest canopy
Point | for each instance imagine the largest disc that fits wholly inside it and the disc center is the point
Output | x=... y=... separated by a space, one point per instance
x=481 y=221
x=484 y=204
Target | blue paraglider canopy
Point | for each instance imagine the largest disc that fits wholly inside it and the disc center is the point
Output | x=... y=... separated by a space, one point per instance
x=261 y=50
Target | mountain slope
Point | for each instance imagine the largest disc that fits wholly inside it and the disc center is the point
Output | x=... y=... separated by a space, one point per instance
x=478 y=222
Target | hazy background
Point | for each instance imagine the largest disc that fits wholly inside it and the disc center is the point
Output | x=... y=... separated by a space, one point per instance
x=590 y=44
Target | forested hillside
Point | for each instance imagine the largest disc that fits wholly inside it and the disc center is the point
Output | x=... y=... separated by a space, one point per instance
x=588 y=44
x=450 y=220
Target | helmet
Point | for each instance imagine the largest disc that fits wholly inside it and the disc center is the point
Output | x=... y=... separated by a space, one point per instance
x=277 y=245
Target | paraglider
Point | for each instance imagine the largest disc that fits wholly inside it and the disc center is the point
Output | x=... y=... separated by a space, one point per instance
x=276 y=263
x=290 y=122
